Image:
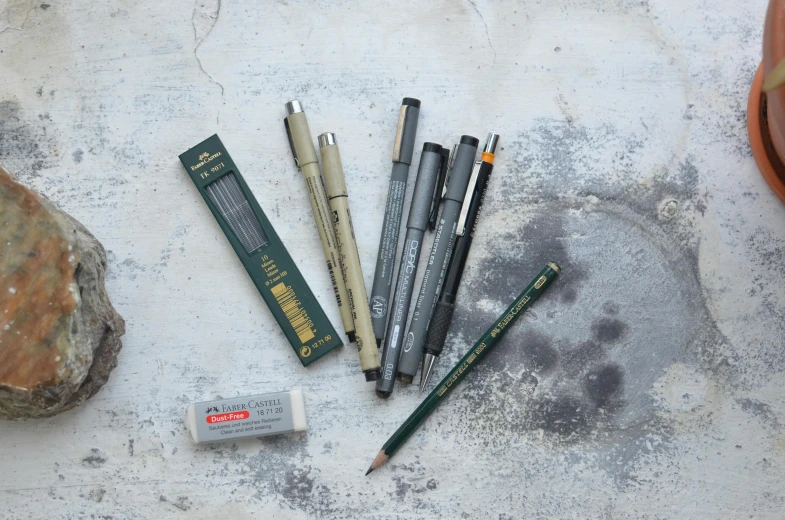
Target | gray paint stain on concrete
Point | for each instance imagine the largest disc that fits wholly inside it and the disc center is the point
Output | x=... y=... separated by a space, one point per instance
x=628 y=305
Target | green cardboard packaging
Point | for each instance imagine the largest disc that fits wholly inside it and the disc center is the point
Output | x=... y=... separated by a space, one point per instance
x=264 y=256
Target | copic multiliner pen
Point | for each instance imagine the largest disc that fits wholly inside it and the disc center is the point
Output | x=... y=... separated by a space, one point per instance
x=419 y=215
x=438 y=261
x=305 y=157
x=403 y=149
x=442 y=314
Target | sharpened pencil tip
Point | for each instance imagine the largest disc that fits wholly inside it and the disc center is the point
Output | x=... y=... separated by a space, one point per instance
x=369 y=471
x=427 y=365
x=380 y=459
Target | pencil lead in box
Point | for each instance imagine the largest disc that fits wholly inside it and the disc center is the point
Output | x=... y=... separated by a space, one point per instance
x=427 y=365
x=369 y=470
x=262 y=253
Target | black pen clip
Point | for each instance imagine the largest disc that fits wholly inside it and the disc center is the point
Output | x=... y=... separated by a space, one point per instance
x=438 y=193
x=291 y=141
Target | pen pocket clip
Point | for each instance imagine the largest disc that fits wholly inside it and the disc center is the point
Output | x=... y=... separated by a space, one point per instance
x=467 y=199
x=438 y=193
x=291 y=141
x=403 y=116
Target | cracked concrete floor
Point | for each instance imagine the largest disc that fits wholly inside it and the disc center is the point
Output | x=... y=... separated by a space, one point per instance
x=645 y=384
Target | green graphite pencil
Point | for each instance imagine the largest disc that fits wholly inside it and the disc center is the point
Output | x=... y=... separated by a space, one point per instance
x=477 y=352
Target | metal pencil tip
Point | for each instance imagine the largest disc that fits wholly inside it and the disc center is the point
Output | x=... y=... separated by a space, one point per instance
x=427 y=364
x=491 y=142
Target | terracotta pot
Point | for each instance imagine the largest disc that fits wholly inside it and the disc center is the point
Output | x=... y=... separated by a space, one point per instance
x=766 y=112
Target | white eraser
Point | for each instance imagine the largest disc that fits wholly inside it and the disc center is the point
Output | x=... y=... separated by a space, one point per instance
x=251 y=416
x=298 y=410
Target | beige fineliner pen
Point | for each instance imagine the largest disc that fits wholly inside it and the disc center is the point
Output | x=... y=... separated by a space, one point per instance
x=305 y=157
x=350 y=257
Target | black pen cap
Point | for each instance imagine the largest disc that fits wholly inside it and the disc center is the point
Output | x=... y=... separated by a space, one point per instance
x=412 y=102
x=471 y=141
x=432 y=147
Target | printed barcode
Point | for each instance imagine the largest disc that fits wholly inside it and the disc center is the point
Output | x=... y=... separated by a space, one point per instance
x=332 y=279
x=296 y=315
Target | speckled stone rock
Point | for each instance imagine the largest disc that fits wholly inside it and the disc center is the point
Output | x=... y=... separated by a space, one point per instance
x=59 y=334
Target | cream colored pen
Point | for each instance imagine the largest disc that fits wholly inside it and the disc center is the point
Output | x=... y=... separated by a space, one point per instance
x=350 y=257
x=305 y=157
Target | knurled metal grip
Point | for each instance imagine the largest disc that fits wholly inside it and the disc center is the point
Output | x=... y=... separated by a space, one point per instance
x=440 y=326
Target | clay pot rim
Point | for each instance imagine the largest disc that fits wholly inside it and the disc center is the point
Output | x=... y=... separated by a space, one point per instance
x=754 y=130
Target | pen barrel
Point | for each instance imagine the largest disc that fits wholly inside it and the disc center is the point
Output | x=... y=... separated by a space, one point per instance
x=323 y=217
x=439 y=327
x=461 y=168
x=463 y=243
x=350 y=260
x=435 y=271
x=452 y=280
x=334 y=180
x=403 y=149
x=399 y=312
x=478 y=198
x=480 y=349
x=427 y=175
x=388 y=245
x=302 y=143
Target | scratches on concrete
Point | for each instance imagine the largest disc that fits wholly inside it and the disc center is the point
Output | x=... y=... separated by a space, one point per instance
x=204 y=18
x=182 y=503
x=484 y=23
x=16 y=14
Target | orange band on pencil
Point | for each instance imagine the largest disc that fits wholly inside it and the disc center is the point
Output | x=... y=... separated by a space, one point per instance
x=488 y=157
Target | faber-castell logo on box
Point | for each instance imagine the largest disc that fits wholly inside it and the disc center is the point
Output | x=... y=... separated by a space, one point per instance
x=205 y=158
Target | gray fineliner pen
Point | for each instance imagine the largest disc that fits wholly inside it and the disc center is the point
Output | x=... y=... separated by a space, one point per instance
x=419 y=214
x=403 y=149
x=438 y=262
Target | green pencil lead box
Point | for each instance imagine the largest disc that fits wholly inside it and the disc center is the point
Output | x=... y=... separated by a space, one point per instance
x=264 y=256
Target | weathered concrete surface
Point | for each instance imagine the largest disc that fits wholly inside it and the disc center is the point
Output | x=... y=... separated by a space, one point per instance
x=646 y=384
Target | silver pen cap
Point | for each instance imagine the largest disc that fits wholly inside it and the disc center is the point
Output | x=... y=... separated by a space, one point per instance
x=293 y=107
x=326 y=139
x=491 y=142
